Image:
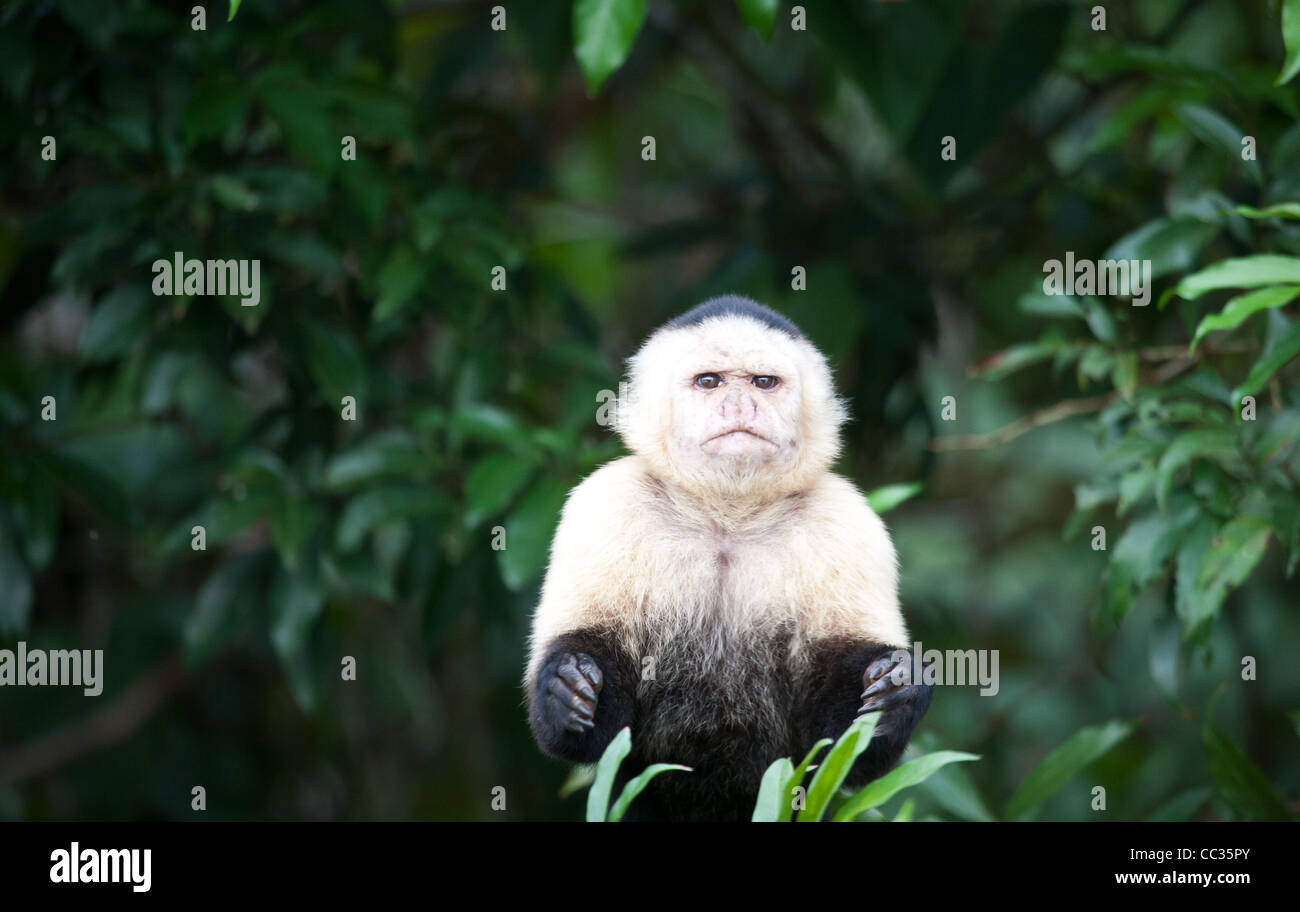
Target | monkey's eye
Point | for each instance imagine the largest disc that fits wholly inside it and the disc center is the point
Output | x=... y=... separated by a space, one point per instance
x=765 y=383
x=708 y=381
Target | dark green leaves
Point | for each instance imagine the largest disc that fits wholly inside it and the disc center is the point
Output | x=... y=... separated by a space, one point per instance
x=528 y=533
x=1062 y=764
x=381 y=504
x=1282 y=351
x=1240 y=782
x=120 y=319
x=223 y=606
x=335 y=363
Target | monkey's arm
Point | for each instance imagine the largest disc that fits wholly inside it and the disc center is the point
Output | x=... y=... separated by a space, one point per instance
x=582 y=694
x=846 y=678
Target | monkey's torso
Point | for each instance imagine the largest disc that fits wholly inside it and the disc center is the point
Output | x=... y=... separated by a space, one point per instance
x=723 y=645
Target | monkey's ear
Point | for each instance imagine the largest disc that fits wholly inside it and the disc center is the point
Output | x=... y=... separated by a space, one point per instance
x=643 y=414
x=822 y=413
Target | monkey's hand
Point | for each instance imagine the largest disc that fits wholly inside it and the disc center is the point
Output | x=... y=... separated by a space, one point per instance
x=889 y=690
x=570 y=695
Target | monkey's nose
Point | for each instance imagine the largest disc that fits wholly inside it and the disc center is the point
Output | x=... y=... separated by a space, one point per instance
x=737 y=406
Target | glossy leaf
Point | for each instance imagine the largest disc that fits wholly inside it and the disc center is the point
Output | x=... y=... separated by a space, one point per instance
x=911 y=773
x=606 y=770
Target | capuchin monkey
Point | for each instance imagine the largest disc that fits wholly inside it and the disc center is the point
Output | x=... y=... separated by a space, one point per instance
x=720 y=591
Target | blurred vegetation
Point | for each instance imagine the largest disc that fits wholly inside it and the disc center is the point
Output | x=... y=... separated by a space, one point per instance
x=475 y=407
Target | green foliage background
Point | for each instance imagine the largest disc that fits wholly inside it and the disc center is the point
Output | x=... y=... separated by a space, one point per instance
x=476 y=408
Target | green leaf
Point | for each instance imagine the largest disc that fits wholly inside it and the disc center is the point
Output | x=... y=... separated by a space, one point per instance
x=773 y=802
x=1135 y=485
x=234 y=8
x=1219 y=445
x=1274 y=358
x=1291 y=38
x=603 y=34
x=1215 y=130
x=528 y=533
x=1063 y=763
x=637 y=785
x=1242 y=272
x=579 y=778
x=954 y=791
x=1182 y=806
x=1241 y=782
x=388 y=453
x=334 y=362
x=1124 y=374
x=833 y=770
x=399 y=279
x=222 y=606
x=121 y=318
x=1239 y=308
x=493 y=483
x=293 y=520
x=800 y=771
x=884 y=499
x=84 y=481
x=606 y=769
x=1171 y=244
x=1017 y=357
x=215 y=105
x=305 y=126
x=909 y=774
x=1194 y=604
x=1140 y=556
x=1233 y=553
x=376 y=506
x=759 y=15
x=1278 y=210
x=296 y=601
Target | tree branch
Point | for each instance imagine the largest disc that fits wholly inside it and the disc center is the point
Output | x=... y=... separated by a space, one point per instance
x=99 y=729
x=1062 y=410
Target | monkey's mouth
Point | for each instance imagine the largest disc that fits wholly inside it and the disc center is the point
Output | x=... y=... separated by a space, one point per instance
x=737 y=434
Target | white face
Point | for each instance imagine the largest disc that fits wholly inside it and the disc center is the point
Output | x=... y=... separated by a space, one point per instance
x=735 y=412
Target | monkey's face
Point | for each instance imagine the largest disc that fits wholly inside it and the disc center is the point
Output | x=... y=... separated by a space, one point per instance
x=735 y=411
x=732 y=407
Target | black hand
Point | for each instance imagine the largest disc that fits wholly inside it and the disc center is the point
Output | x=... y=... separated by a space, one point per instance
x=572 y=691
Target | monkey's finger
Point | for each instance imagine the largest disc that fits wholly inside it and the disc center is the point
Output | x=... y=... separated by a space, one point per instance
x=896 y=679
x=587 y=665
x=579 y=723
x=575 y=679
x=879 y=667
x=886 y=700
x=570 y=700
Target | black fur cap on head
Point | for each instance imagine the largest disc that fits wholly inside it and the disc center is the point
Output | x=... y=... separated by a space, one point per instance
x=735 y=305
